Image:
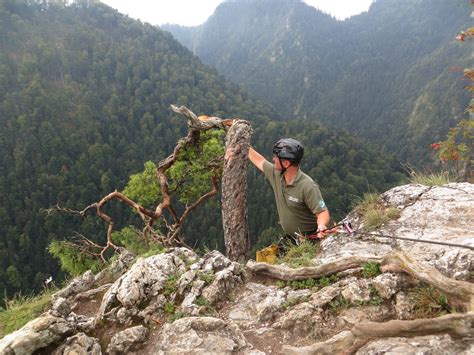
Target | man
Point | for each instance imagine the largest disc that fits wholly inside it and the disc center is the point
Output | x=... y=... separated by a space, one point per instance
x=300 y=206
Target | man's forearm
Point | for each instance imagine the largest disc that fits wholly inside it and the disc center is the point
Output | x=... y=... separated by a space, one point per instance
x=322 y=219
x=256 y=158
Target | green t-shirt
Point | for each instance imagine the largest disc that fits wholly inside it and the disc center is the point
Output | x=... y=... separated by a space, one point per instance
x=298 y=203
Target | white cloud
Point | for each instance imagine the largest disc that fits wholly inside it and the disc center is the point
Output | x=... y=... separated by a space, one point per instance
x=195 y=12
x=158 y=12
x=341 y=9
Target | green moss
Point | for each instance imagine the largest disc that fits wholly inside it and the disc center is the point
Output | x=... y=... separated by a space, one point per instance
x=171 y=284
x=339 y=303
x=313 y=284
x=371 y=269
x=169 y=308
x=280 y=284
x=207 y=277
x=292 y=301
x=176 y=316
x=206 y=307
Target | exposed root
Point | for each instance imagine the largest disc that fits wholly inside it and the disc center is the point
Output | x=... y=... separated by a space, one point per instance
x=348 y=342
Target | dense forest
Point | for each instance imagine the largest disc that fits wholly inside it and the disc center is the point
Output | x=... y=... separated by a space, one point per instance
x=84 y=103
x=383 y=75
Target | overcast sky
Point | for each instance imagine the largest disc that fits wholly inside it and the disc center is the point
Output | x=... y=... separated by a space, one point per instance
x=195 y=12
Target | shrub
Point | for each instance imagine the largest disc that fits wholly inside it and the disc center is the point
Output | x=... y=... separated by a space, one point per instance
x=72 y=260
x=130 y=238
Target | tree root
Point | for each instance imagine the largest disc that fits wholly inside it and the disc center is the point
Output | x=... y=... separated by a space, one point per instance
x=286 y=273
x=394 y=261
x=348 y=342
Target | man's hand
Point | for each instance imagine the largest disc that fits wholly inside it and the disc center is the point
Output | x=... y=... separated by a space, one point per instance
x=322 y=231
x=229 y=122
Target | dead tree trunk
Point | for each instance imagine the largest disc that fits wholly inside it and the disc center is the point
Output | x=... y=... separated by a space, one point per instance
x=234 y=191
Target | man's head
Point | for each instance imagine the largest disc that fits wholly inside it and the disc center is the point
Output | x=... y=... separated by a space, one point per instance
x=288 y=149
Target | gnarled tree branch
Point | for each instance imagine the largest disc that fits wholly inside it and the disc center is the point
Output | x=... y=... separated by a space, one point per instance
x=195 y=126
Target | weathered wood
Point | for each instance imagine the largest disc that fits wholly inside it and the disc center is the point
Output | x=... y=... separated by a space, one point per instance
x=394 y=261
x=283 y=272
x=461 y=290
x=234 y=191
x=348 y=342
x=234 y=199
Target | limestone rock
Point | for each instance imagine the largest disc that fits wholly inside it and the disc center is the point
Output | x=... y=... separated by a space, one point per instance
x=403 y=196
x=433 y=344
x=258 y=303
x=297 y=319
x=441 y=213
x=79 y=284
x=355 y=315
x=200 y=335
x=357 y=291
x=213 y=277
x=403 y=306
x=389 y=284
x=116 y=269
x=79 y=344
x=88 y=281
x=81 y=323
x=142 y=283
x=127 y=340
x=325 y=295
x=38 y=333
x=60 y=307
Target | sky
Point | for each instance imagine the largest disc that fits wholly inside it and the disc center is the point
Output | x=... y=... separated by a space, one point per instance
x=196 y=12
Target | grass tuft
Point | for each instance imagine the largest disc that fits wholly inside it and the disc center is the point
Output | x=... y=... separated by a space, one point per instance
x=430 y=179
x=300 y=255
x=429 y=302
x=374 y=213
x=21 y=309
x=171 y=284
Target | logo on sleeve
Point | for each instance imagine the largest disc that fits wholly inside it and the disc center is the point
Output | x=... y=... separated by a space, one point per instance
x=292 y=199
x=322 y=204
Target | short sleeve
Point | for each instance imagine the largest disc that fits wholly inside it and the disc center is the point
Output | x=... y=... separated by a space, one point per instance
x=313 y=198
x=269 y=172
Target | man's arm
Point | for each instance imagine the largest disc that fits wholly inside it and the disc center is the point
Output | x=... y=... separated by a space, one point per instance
x=256 y=158
x=322 y=219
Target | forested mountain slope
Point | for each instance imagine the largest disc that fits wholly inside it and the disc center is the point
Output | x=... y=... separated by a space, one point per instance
x=84 y=102
x=383 y=75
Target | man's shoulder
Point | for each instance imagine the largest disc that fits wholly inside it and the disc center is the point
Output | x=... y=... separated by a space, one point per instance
x=306 y=180
x=268 y=170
